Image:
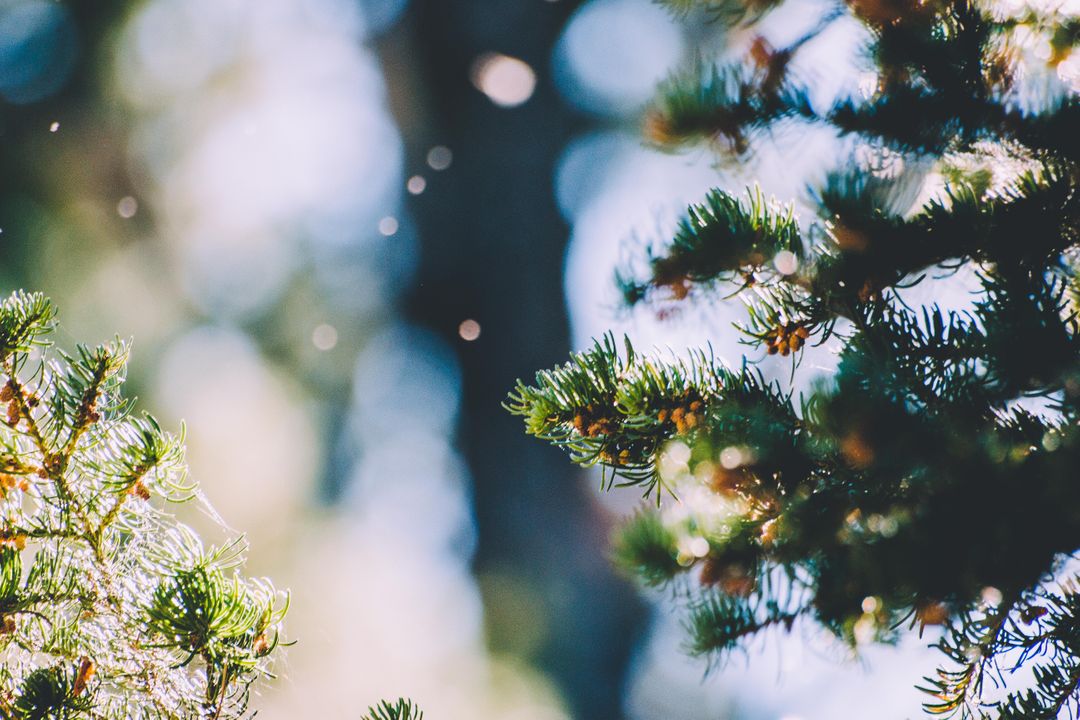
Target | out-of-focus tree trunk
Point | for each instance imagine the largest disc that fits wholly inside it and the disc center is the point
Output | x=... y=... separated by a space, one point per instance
x=492 y=249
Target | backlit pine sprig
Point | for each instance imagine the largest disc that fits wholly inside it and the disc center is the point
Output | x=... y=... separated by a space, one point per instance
x=109 y=608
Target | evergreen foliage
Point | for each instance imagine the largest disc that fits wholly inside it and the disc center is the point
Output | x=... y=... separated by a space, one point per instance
x=932 y=479
x=109 y=608
x=400 y=710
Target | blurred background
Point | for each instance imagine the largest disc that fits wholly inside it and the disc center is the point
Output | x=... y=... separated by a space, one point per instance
x=338 y=231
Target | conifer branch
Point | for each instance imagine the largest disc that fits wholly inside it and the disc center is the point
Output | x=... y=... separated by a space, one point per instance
x=401 y=710
x=913 y=482
x=942 y=88
x=972 y=643
x=101 y=591
x=617 y=412
x=724 y=106
x=720 y=623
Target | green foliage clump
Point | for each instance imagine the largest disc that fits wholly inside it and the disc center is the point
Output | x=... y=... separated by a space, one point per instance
x=931 y=479
x=109 y=608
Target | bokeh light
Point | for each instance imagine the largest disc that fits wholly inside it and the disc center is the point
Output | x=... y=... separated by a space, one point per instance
x=388 y=226
x=469 y=330
x=416 y=184
x=324 y=337
x=127 y=207
x=507 y=81
x=439 y=157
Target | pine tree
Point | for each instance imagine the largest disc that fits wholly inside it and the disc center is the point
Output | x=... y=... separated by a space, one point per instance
x=110 y=608
x=932 y=480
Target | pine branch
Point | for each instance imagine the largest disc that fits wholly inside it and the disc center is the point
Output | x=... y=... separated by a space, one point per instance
x=1024 y=310
x=645 y=548
x=724 y=106
x=1041 y=625
x=942 y=89
x=401 y=710
x=913 y=481
x=617 y=412
x=25 y=318
x=720 y=240
x=864 y=252
x=864 y=248
x=972 y=643
x=104 y=598
x=720 y=623
x=1049 y=628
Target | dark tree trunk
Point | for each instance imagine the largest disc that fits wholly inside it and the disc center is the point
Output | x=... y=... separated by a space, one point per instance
x=492 y=249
